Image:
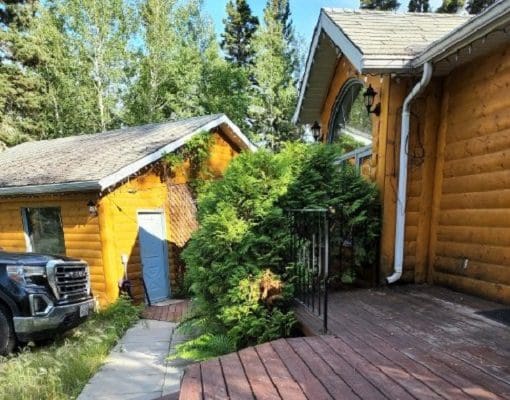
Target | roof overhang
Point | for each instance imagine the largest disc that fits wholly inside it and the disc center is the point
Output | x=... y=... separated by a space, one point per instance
x=329 y=42
x=85 y=186
x=473 y=39
x=230 y=129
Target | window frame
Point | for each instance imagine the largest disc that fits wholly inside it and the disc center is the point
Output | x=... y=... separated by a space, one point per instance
x=28 y=229
x=346 y=88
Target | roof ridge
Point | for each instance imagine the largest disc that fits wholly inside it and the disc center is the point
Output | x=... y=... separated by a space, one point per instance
x=118 y=130
x=393 y=12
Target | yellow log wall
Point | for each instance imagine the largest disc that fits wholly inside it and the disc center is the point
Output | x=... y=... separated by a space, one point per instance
x=458 y=200
x=382 y=168
x=472 y=207
x=154 y=189
x=81 y=231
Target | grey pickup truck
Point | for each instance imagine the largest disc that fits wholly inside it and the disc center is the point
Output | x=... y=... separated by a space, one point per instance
x=41 y=295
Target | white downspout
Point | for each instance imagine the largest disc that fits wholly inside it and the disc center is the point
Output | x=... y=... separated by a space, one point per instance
x=402 y=173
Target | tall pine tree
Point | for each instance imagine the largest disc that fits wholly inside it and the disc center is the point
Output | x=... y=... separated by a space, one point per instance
x=477 y=6
x=274 y=69
x=240 y=26
x=418 y=6
x=382 y=5
x=21 y=89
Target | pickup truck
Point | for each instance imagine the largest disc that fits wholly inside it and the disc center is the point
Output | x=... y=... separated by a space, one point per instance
x=41 y=295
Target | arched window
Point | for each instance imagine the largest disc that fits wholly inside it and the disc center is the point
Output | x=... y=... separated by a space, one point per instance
x=350 y=115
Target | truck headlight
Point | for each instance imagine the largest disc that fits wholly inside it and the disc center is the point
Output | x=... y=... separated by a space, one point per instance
x=23 y=274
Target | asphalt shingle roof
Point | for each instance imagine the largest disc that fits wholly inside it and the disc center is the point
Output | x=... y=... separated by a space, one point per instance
x=90 y=158
x=389 y=33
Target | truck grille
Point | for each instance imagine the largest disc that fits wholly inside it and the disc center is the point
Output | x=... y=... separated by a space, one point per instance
x=71 y=280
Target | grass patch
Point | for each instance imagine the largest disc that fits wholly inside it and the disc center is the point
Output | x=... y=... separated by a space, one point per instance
x=60 y=370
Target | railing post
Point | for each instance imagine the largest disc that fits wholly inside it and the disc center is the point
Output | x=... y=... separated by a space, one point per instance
x=309 y=252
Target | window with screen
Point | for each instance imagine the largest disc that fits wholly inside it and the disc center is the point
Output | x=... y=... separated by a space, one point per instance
x=350 y=115
x=44 y=229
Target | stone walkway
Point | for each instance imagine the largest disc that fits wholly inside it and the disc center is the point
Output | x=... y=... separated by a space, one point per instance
x=137 y=368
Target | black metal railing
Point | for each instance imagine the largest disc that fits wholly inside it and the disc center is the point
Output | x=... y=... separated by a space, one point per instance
x=309 y=256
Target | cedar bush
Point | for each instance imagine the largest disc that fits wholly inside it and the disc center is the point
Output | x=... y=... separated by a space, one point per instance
x=236 y=268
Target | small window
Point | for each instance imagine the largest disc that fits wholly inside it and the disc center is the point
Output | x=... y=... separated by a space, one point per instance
x=43 y=227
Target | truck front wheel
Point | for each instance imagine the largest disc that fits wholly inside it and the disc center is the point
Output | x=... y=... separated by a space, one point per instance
x=7 y=336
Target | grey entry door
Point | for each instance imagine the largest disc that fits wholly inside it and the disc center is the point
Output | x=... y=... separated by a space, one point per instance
x=154 y=254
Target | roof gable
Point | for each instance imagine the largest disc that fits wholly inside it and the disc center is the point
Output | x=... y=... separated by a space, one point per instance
x=98 y=161
x=389 y=39
x=372 y=41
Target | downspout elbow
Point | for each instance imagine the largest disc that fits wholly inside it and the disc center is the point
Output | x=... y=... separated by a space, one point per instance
x=402 y=175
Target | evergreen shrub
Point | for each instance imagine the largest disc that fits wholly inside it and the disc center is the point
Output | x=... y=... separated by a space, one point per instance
x=236 y=261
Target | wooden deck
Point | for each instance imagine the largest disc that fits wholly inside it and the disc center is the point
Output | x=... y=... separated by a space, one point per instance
x=172 y=312
x=414 y=342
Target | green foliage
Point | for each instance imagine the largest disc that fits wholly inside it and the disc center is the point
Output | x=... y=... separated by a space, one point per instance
x=477 y=6
x=204 y=346
x=346 y=143
x=418 y=6
x=196 y=153
x=275 y=65
x=382 y=5
x=21 y=90
x=352 y=199
x=450 y=6
x=240 y=26
x=59 y=371
x=236 y=260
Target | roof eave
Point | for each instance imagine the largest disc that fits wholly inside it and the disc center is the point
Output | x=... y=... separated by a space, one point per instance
x=475 y=28
x=128 y=170
x=233 y=131
x=348 y=48
x=50 y=188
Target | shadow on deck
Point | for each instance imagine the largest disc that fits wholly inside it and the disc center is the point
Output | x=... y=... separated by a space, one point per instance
x=408 y=342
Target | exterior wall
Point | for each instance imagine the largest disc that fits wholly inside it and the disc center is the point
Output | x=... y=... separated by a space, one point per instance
x=382 y=167
x=471 y=199
x=153 y=189
x=458 y=200
x=81 y=231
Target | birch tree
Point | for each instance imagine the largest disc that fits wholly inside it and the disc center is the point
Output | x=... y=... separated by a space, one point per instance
x=99 y=33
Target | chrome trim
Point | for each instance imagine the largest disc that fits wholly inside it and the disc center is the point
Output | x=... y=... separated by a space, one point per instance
x=51 y=267
x=27 y=325
x=47 y=310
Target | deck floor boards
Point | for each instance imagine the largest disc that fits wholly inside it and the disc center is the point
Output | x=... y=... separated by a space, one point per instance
x=405 y=342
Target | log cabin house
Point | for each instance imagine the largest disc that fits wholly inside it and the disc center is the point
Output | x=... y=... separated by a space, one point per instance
x=440 y=128
x=442 y=87
x=110 y=199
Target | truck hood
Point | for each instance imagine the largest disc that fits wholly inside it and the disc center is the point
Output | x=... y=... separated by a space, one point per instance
x=8 y=258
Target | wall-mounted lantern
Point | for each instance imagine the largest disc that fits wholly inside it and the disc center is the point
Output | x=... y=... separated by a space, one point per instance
x=316 y=131
x=92 y=207
x=369 y=97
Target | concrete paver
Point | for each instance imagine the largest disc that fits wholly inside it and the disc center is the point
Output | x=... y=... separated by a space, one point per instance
x=137 y=367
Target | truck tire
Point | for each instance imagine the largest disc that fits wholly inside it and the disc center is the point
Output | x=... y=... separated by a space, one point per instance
x=7 y=336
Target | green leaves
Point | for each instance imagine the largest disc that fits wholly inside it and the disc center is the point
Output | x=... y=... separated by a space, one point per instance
x=274 y=69
x=236 y=260
x=240 y=26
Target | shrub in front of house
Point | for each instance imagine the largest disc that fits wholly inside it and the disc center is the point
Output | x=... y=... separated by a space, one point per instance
x=236 y=261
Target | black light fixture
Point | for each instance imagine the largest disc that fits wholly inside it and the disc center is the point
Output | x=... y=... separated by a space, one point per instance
x=316 y=131
x=92 y=208
x=369 y=97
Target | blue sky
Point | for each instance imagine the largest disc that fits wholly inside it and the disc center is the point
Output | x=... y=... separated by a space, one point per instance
x=304 y=12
